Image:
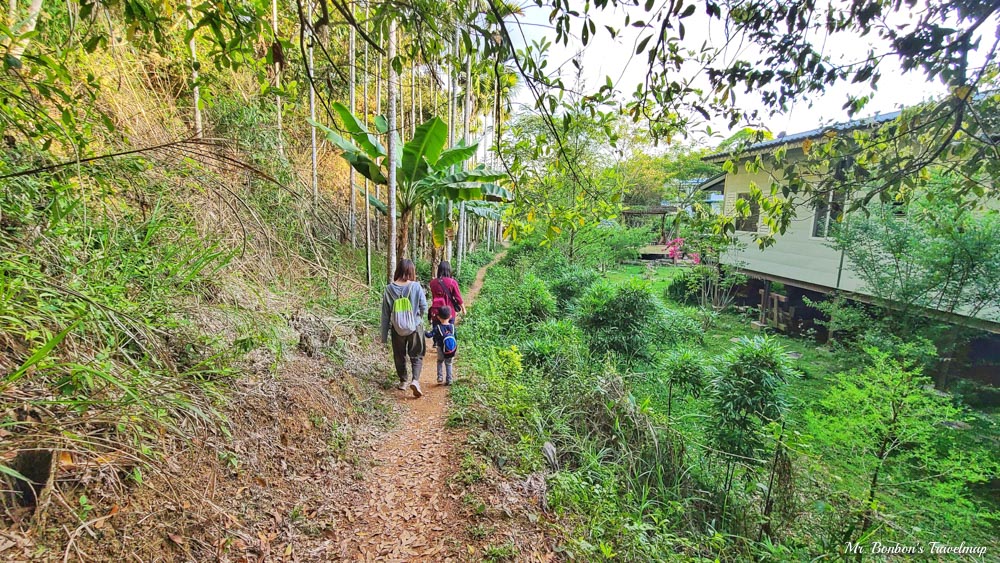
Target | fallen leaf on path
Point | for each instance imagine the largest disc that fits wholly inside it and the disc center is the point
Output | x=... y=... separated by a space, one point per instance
x=176 y=539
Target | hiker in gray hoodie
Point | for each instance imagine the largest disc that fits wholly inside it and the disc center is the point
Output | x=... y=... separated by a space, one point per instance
x=404 y=304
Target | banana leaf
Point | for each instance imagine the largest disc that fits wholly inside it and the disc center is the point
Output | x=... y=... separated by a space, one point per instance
x=425 y=146
x=454 y=155
x=441 y=222
x=335 y=138
x=378 y=205
x=366 y=167
x=493 y=192
x=485 y=210
x=478 y=174
x=357 y=130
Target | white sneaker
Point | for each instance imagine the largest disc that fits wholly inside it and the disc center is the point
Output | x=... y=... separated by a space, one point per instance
x=415 y=386
x=401 y=386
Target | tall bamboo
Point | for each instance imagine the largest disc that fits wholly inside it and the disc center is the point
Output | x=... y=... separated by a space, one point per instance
x=195 y=90
x=312 y=106
x=368 y=208
x=392 y=90
x=352 y=100
x=277 y=80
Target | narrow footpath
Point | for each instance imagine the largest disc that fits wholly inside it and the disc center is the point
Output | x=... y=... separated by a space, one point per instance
x=414 y=511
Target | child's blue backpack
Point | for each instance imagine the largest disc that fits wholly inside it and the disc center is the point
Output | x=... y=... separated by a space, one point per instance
x=448 y=344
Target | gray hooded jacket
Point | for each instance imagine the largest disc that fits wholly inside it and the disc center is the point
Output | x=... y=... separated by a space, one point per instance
x=394 y=291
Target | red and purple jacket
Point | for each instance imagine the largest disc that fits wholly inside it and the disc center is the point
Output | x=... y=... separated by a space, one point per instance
x=444 y=291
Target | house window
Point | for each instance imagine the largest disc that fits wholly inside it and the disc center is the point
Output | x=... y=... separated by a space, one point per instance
x=750 y=222
x=829 y=208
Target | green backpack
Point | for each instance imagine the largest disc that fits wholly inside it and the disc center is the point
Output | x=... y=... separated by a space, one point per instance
x=404 y=321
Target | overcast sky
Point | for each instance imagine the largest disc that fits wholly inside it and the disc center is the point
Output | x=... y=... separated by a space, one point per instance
x=607 y=57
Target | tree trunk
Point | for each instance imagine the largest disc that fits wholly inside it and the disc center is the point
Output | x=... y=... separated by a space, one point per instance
x=27 y=25
x=403 y=244
x=413 y=96
x=420 y=104
x=466 y=115
x=195 y=90
x=378 y=111
x=873 y=485
x=277 y=80
x=453 y=109
x=392 y=89
x=352 y=100
x=368 y=207
x=312 y=106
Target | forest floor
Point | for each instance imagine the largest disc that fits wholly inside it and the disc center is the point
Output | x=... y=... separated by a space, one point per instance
x=413 y=508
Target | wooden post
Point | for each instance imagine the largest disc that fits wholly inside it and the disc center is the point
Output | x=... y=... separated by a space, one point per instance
x=765 y=300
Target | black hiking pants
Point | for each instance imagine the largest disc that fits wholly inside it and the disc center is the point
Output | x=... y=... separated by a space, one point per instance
x=413 y=346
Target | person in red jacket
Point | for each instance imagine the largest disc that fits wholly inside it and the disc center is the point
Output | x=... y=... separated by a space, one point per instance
x=444 y=291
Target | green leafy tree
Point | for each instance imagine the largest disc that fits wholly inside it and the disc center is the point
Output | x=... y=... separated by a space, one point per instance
x=887 y=423
x=562 y=186
x=925 y=261
x=927 y=255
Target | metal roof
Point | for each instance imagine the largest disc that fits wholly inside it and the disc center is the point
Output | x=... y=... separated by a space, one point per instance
x=877 y=119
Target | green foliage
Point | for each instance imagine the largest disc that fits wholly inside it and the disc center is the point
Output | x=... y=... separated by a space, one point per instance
x=888 y=424
x=734 y=454
x=528 y=302
x=628 y=320
x=935 y=256
x=562 y=188
x=605 y=245
x=555 y=348
x=683 y=289
x=689 y=371
x=428 y=174
x=571 y=285
x=747 y=395
x=936 y=151
x=471 y=263
x=649 y=180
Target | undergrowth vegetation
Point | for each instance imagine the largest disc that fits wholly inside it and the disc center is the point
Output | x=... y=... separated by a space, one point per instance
x=133 y=289
x=674 y=443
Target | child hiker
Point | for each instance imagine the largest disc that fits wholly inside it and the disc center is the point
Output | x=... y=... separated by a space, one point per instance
x=443 y=333
x=403 y=306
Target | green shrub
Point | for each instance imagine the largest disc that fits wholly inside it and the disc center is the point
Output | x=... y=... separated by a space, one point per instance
x=688 y=371
x=547 y=263
x=682 y=289
x=747 y=395
x=680 y=327
x=555 y=347
x=626 y=319
x=573 y=283
x=917 y=351
x=423 y=269
x=521 y=303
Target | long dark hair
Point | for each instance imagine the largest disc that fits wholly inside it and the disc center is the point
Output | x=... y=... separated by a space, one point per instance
x=444 y=269
x=405 y=271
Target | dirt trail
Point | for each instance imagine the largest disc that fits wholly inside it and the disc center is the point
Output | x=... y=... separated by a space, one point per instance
x=410 y=510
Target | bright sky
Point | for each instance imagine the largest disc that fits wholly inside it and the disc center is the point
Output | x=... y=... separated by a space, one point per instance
x=613 y=57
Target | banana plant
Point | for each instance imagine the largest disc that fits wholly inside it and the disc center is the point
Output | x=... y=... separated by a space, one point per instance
x=428 y=173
